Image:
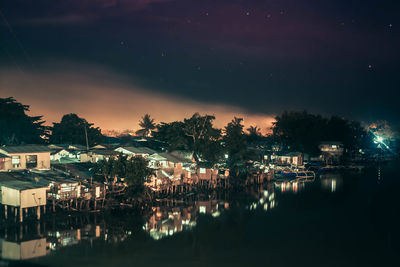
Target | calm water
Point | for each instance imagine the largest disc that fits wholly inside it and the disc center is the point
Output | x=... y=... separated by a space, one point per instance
x=345 y=219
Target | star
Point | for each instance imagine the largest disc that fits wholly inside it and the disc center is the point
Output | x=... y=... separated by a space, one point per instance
x=390 y=25
x=369 y=66
x=247 y=13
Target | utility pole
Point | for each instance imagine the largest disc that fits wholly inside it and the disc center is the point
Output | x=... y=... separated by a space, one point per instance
x=87 y=141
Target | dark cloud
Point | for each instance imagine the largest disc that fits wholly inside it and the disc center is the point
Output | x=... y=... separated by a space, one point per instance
x=334 y=56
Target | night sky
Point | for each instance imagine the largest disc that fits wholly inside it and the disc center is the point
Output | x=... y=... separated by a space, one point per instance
x=111 y=61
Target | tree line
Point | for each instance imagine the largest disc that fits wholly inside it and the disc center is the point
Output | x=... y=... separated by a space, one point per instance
x=17 y=127
x=231 y=145
x=292 y=130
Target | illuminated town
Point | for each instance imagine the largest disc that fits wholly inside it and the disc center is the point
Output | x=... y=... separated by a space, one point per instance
x=199 y=133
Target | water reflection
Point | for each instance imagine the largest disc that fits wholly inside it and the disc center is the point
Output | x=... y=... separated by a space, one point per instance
x=331 y=181
x=169 y=219
x=164 y=219
x=293 y=186
x=172 y=217
x=23 y=250
x=38 y=239
x=265 y=199
x=22 y=242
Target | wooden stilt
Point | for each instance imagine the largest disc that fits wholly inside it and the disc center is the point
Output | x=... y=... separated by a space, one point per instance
x=21 y=218
x=38 y=212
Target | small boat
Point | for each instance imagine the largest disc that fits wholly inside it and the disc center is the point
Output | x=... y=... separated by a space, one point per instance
x=294 y=175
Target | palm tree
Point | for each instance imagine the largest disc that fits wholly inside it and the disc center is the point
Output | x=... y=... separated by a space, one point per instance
x=147 y=124
x=254 y=131
x=254 y=134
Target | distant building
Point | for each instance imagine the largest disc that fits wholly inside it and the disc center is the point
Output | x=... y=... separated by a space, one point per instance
x=206 y=172
x=170 y=167
x=135 y=151
x=96 y=155
x=331 y=151
x=291 y=158
x=24 y=157
x=167 y=160
x=100 y=147
x=59 y=154
x=68 y=147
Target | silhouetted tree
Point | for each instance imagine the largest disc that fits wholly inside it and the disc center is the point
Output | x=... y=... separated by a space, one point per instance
x=147 y=124
x=137 y=173
x=134 y=171
x=173 y=134
x=16 y=127
x=236 y=148
x=302 y=131
x=203 y=137
x=196 y=134
x=71 y=130
x=254 y=134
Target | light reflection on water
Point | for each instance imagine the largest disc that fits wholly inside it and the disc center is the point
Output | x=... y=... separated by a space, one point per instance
x=331 y=181
x=30 y=241
x=293 y=186
x=167 y=218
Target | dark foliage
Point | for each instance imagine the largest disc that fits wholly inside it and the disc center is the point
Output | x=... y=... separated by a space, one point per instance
x=147 y=124
x=302 y=131
x=134 y=171
x=235 y=146
x=16 y=127
x=71 y=130
x=196 y=134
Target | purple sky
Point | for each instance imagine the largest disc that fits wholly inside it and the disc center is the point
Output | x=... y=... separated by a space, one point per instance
x=248 y=57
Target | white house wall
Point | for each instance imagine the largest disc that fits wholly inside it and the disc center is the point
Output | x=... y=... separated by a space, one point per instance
x=10 y=196
x=33 y=197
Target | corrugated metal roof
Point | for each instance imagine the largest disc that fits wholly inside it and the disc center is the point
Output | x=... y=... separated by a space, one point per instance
x=25 y=149
x=174 y=158
x=139 y=150
x=21 y=185
x=3 y=156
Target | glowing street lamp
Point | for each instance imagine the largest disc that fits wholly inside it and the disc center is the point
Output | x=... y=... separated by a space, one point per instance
x=379 y=140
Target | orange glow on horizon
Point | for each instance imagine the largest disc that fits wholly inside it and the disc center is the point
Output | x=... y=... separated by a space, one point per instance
x=110 y=104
